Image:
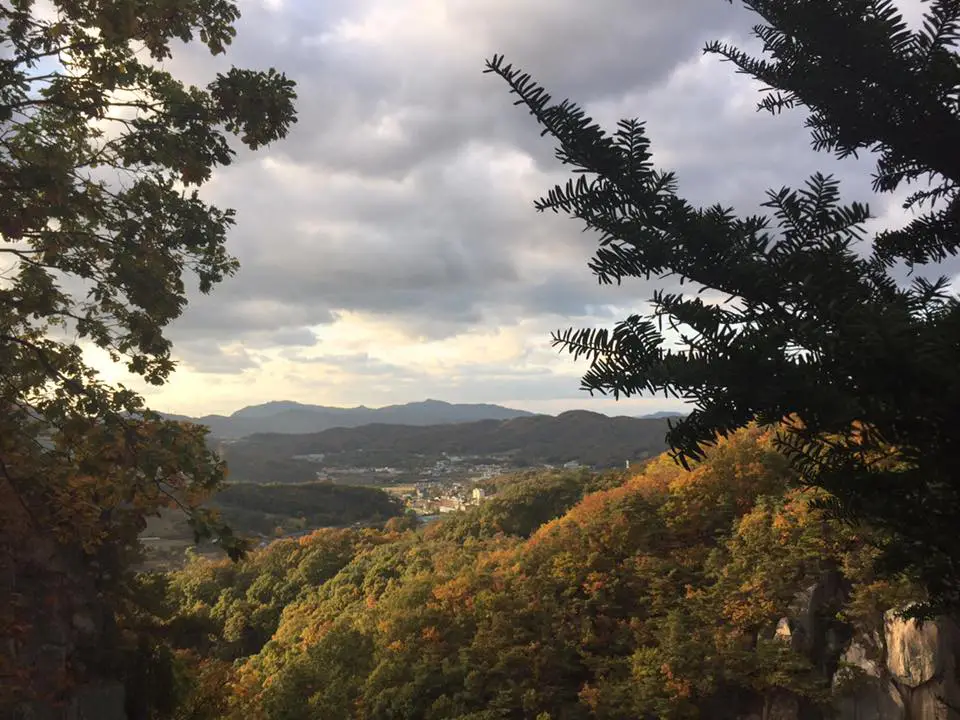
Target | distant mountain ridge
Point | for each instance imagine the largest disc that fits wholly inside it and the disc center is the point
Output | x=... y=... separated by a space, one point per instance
x=662 y=414
x=287 y=417
x=588 y=437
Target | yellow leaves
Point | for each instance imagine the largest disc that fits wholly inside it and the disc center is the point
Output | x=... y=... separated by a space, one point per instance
x=502 y=557
x=100 y=488
x=595 y=503
x=626 y=592
x=751 y=605
x=248 y=684
x=594 y=583
x=755 y=521
x=656 y=477
x=872 y=597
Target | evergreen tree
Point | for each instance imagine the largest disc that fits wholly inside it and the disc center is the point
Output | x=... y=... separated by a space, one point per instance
x=815 y=326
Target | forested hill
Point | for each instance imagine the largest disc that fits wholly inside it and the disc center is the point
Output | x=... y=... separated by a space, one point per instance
x=268 y=509
x=573 y=595
x=590 y=438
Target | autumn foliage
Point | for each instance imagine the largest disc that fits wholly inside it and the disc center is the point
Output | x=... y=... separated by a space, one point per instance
x=658 y=596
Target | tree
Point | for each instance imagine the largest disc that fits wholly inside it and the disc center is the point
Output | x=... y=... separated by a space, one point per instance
x=101 y=228
x=864 y=366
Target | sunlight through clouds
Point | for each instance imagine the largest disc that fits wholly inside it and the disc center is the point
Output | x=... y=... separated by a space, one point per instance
x=392 y=236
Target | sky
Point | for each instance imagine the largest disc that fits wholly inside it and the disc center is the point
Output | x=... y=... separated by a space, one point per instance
x=389 y=247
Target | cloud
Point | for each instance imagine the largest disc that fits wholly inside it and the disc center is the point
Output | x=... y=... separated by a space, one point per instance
x=218 y=360
x=389 y=246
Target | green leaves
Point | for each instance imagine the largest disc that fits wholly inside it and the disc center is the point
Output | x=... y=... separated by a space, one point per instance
x=258 y=106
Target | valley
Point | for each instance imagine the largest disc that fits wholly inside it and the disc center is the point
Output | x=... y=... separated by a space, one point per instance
x=384 y=454
x=286 y=484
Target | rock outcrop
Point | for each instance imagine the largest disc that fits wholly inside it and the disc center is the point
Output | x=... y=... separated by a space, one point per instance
x=902 y=670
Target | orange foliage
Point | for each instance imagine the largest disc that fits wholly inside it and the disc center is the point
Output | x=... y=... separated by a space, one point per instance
x=652 y=594
x=453 y=593
x=314 y=633
x=589 y=696
x=676 y=686
x=430 y=634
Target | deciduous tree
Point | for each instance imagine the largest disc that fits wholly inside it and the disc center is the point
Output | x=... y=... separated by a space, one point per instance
x=101 y=230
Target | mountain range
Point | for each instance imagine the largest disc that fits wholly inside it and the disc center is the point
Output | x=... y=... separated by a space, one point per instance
x=294 y=418
x=590 y=438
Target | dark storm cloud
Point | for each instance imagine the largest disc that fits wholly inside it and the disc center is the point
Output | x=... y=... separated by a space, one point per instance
x=387 y=87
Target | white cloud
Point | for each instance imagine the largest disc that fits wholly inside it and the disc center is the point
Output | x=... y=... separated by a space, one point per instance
x=389 y=246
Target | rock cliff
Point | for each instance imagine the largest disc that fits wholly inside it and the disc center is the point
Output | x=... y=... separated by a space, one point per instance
x=900 y=670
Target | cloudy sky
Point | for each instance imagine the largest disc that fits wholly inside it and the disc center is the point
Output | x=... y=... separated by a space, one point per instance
x=390 y=251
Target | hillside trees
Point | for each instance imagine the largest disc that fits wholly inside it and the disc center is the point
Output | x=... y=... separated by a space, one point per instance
x=659 y=596
x=864 y=365
x=101 y=230
x=262 y=508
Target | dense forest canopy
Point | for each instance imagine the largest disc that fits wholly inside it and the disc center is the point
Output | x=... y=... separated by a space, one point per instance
x=568 y=595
